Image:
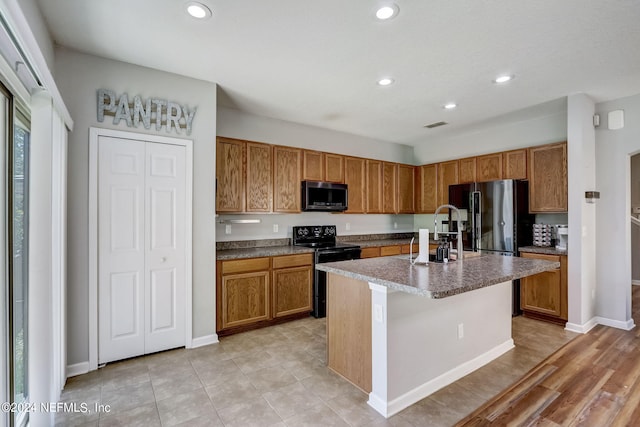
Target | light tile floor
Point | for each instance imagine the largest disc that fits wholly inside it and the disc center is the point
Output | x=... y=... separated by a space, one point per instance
x=277 y=377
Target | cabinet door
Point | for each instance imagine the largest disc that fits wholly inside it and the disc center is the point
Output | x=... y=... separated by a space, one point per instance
x=245 y=298
x=229 y=175
x=447 y=175
x=355 y=178
x=312 y=167
x=259 y=185
x=548 y=178
x=406 y=182
x=374 y=186
x=407 y=249
x=489 y=167
x=291 y=291
x=334 y=168
x=427 y=188
x=286 y=179
x=514 y=164
x=389 y=188
x=545 y=293
x=467 y=170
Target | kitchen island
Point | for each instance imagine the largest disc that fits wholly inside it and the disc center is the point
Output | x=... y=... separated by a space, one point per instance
x=401 y=332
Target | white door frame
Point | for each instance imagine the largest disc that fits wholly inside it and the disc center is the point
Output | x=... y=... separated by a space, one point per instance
x=94 y=134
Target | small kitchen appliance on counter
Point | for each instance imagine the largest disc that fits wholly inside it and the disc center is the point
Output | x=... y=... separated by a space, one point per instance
x=322 y=238
x=562 y=237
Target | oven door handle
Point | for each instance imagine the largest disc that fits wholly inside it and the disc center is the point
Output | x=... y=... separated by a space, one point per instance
x=337 y=252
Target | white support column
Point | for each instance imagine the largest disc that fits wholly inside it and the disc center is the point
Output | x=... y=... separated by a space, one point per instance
x=379 y=396
x=40 y=259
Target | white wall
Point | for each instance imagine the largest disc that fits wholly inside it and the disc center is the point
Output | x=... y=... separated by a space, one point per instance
x=582 y=215
x=542 y=124
x=235 y=124
x=79 y=76
x=613 y=180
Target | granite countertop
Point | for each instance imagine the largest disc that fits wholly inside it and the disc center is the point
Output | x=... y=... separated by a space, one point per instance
x=436 y=280
x=260 y=252
x=545 y=250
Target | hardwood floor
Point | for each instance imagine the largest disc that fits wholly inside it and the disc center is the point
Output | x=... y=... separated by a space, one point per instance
x=593 y=380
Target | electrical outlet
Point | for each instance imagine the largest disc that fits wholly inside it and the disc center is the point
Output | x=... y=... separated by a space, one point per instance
x=378 y=313
x=395 y=225
x=275 y=228
x=460 y=331
x=347 y=226
x=593 y=294
x=227 y=229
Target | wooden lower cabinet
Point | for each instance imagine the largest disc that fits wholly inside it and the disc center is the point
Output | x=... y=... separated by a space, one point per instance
x=245 y=298
x=292 y=291
x=544 y=295
x=257 y=292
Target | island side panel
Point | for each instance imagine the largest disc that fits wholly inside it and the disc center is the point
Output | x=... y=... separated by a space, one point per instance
x=349 y=329
x=428 y=352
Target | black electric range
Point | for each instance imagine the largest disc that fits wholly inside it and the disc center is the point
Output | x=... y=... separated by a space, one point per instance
x=322 y=238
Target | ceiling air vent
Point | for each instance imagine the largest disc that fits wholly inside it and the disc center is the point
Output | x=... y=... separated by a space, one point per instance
x=435 y=125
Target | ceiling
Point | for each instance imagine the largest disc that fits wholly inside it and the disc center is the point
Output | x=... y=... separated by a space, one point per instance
x=318 y=62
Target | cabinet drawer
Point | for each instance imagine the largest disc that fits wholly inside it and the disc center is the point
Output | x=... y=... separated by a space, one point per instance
x=390 y=250
x=292 y=260
x=245 y=265
x=406 y=249
x=553 y=258
x=373 y=252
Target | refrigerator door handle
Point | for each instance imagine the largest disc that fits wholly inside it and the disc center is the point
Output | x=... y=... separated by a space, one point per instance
x=475 y=220
x=476 y=201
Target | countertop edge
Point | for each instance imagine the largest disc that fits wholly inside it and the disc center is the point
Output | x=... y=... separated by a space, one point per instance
x=548 y=265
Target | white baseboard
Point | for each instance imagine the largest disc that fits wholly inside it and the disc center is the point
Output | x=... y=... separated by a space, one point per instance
x=77 y=369
x=582 y=329
x=205 y=340
x=396 y=405
x=586 y=327
x=627 y=326
x=635 y=282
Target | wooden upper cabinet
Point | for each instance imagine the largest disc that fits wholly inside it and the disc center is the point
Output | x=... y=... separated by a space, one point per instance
x=229 y=175
x=374 y=186
x=406 y=181
x=514 y=164
x=489 y=167
x=467 y=170
x=312 y=165
x=389 y=188
x=355 y=178
x=447 y=175
x=548 y=178
x=333 y=167
x=427 y=188
x=286 y=179
x=259 y=185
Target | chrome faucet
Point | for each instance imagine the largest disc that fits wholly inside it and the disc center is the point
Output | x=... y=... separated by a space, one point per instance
x=459 y=246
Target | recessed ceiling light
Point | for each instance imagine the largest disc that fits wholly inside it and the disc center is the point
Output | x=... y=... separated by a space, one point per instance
x=387 y=12
x=503 y=79
x=386 y=81
x=198 y=10
x=450 y=106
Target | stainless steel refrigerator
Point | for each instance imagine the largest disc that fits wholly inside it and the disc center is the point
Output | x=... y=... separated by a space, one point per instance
x=495 y=218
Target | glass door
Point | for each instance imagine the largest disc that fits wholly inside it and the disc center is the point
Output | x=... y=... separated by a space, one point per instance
x=15 y=140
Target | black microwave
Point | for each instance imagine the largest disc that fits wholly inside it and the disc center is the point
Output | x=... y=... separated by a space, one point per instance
x=324 y=196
